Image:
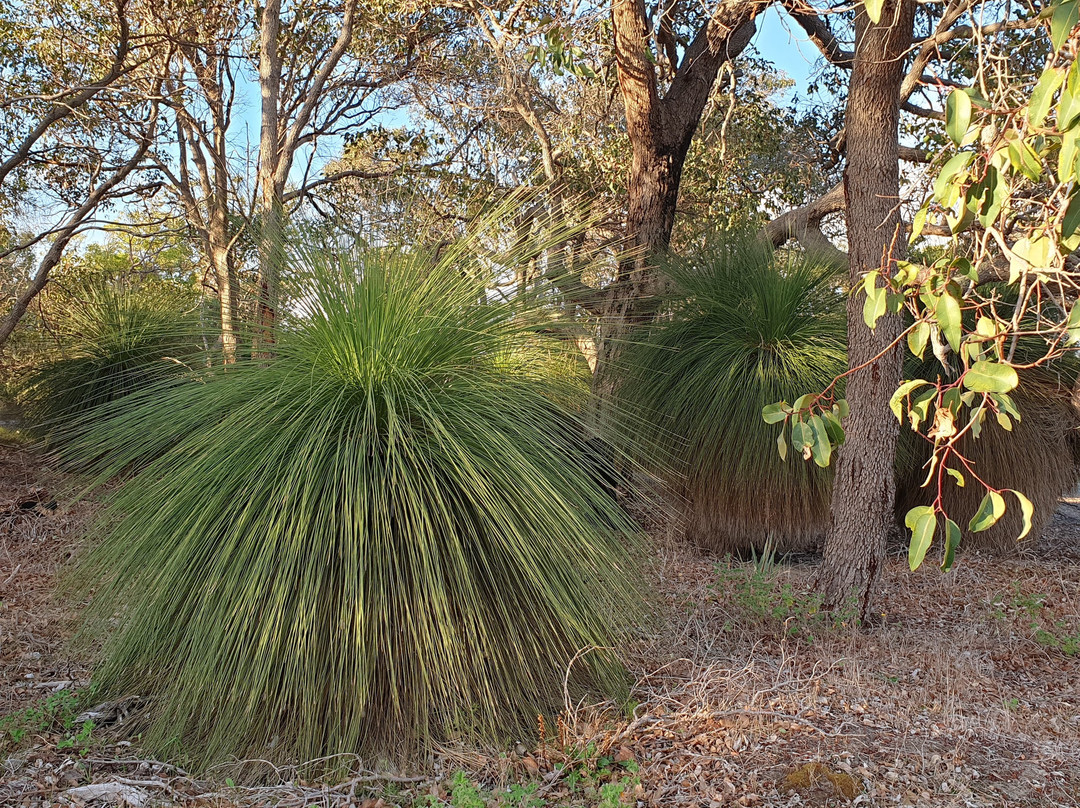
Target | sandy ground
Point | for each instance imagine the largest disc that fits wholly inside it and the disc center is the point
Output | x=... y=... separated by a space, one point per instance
x=966 y=692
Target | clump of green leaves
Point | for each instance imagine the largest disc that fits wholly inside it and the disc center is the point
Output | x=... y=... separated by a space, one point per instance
x=387 y=534
x=777 y=605
x=55 y=715
x=116 y=338
x=748 y=327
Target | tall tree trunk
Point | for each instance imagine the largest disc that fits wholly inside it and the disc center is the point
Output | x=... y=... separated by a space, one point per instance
x=864 y=490
x=284 y=122
x=630 y=300
x=661 y=127
x=219 y=252
x=271 y=185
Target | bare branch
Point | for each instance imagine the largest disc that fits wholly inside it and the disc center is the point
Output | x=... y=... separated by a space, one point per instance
x=804 y=224
x=69 y=104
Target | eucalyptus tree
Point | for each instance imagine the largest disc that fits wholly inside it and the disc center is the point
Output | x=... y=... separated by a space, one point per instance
x=864 y=489
x=235 y=188
x=899 y=50
x=539 y=105
x=77 y=126
x=56 y=59
x=321 y=70
x=202 y=165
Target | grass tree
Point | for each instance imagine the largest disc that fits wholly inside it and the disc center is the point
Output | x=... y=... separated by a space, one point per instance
x=389 y=534
x=117 y=338
x=747 y=327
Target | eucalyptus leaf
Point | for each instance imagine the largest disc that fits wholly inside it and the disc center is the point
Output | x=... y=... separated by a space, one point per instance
x=990 y=510
x=1063 y=21
x=922 y=535
x=917 y=338
x=775 y=413
x=1027 y=510
x=988 y=376
x=896 y=403
x=952 y=541
x=950 y=320
x=957 y=115
x=1042 y=97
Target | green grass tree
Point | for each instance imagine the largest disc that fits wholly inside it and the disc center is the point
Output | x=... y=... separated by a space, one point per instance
x=747 y=327
x=391 y=533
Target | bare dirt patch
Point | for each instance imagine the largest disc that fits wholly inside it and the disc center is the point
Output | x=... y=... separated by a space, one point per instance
x=965 y=693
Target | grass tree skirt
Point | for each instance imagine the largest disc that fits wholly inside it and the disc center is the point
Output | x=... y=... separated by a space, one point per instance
x=1038 y=457
x=743 y=327
x=388 y=535
x=740 y=519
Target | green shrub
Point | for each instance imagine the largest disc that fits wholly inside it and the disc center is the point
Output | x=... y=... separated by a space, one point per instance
x=1039 y=454
x=387 y=535
x=747 y=327
x=116 y=338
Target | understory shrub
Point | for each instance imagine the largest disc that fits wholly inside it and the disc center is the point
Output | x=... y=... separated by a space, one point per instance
x=116 y=338
x=744 y=327
x=388 y=534
x=1039 y=455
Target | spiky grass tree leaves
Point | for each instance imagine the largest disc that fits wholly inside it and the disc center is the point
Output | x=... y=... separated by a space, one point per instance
x=118 y=338
x=747 y=328
x=387 y=535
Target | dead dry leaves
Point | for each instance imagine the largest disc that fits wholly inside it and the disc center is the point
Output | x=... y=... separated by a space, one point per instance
x=966 y=693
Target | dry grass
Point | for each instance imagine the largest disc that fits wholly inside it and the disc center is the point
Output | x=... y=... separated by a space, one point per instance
x=39 y=530
x=964 y=694
x=1039 y=457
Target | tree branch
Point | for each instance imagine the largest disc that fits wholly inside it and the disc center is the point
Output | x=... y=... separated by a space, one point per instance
x=63 y=109
x=819 y=32
x=71 y=227
x=804 y=224
x=728 y=31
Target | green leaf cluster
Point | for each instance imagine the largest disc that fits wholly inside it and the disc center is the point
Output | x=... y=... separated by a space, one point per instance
x=747 y=327
x=392 y=533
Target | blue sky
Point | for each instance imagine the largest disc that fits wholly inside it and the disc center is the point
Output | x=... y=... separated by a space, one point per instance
x=781 y=41
x=778 y=40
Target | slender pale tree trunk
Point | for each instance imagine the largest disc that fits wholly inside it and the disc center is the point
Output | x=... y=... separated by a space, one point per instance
x=284 y=122
x=219 y=252
x=865 y=488
x=270 y=187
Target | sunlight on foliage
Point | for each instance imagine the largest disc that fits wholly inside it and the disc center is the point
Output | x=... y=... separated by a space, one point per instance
x=747 y=327
x=118 y=338
x=391 y=533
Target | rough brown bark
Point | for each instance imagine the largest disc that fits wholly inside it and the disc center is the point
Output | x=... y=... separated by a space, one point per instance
x=661 y=128
x=864 y=490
